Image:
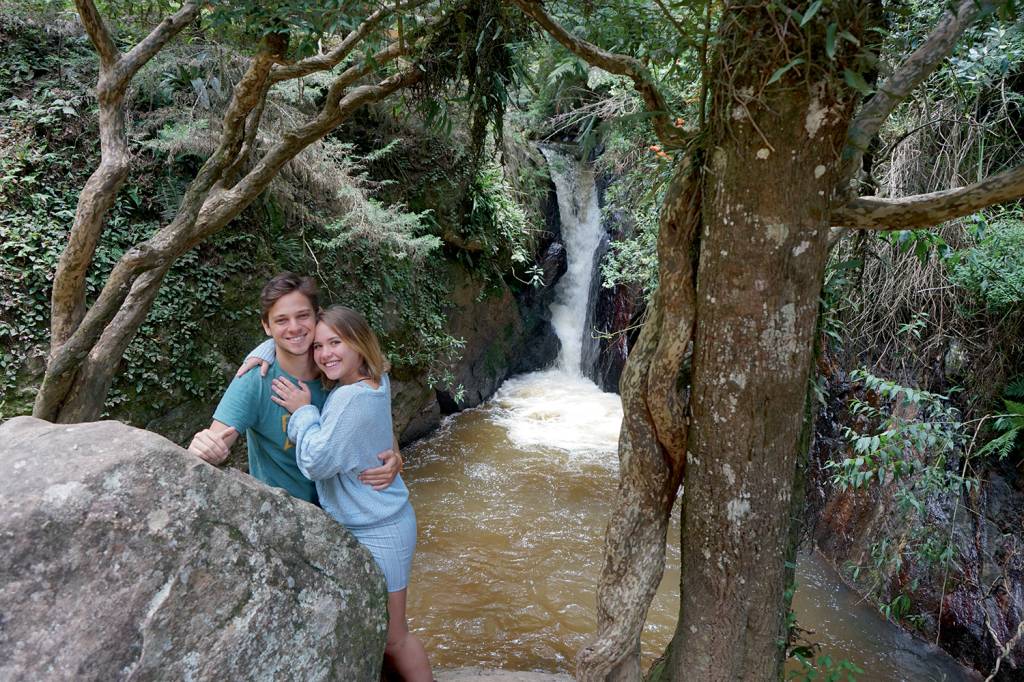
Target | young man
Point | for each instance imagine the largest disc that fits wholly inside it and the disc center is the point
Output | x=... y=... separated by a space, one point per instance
x=288 y=304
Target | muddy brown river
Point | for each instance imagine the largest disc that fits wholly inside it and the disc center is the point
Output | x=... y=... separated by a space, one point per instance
x=512 y=499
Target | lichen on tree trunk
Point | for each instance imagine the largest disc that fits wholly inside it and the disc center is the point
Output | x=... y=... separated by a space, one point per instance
x=767 y=196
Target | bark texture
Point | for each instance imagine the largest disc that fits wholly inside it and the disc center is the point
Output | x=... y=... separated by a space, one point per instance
x=908 y=76
x=651 y=448
x=116 y=71
x=770 y=184
x=925 y=210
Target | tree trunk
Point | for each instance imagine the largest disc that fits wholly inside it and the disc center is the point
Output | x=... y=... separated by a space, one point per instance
x=651 y=448
x=85 y=400
x=771 y=180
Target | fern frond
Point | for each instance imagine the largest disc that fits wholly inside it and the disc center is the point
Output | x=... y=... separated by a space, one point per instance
x=1013 y=407
x=1001 y=446
x=1015 y=389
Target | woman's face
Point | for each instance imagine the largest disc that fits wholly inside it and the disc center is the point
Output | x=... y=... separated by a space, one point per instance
x=335 y=358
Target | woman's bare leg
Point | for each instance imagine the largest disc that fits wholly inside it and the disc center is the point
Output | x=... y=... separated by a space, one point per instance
x=404 y=653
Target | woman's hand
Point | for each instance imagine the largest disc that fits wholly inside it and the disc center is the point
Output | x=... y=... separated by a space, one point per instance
x=252 y=362
x=289 y=396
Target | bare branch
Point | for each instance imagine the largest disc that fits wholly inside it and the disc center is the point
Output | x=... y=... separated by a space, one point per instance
x=672 y=18
x=171 y=26
x=98 y=32
x=910 y=73
x=926 y=210
x=67 y=305
x=251 y=130
x=619 y=64
x=226 y=204
x=328 y=60
x=69 y=354
x=357 y=72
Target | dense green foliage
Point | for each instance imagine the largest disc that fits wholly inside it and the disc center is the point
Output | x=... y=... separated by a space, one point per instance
x=991 y=270
x=319 y=217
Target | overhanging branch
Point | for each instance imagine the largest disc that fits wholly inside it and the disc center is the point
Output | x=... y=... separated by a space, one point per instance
x=328 y=60
x=224 y=205
x=139 y=55
x=116 y=70
x=926 y=210
x=98 y=32
x=618 y=64
x=910 y=73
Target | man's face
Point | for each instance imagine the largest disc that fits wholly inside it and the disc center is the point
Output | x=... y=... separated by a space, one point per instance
x=291 y=322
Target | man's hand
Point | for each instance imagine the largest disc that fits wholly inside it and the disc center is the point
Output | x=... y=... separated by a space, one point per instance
x=381 y=477
x=213 y=446
x=252 y=362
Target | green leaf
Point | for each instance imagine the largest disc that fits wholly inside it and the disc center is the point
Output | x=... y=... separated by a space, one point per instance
x=811 y=11
x=830 y=40
x=1014 y=407
x=782 y=70
x=856 y=81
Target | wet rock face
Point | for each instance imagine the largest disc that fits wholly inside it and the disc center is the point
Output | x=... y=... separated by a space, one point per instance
x=980 y=598
x=617 y=312
x=617 y=315
x=127 y=558
x=554 y=263
x=504 y=334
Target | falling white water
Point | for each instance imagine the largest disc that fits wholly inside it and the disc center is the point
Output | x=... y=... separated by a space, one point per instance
x=581 y=235
x=560 y=408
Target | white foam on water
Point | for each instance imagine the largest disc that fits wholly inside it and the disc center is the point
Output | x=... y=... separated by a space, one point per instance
x=560 y=409
x=557 y=410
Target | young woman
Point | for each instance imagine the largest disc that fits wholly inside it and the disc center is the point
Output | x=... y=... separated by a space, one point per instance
x=333 y=445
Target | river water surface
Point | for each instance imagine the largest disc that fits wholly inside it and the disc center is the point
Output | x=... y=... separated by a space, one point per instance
x=512 y=499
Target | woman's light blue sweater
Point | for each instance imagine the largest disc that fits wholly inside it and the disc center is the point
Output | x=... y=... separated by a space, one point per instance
x=332 y=447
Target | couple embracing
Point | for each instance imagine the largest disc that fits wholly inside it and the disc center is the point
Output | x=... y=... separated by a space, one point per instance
x=317 y=419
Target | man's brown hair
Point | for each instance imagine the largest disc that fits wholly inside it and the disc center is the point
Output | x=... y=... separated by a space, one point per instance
x=283 y=284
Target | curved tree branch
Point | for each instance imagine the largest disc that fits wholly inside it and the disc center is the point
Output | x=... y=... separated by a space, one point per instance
x=225 y=205
x=926 y=210
x=98 y=33
x=910 y=73
x=205 y=209
x=157 y=252
x=619 y=64
x=146 y=48
x=328 y=60
x=652 y=449
x=67 y=302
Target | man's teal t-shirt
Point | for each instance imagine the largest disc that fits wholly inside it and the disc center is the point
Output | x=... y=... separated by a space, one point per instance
x=247 y=407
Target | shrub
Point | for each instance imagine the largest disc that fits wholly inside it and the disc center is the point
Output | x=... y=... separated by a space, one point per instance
x=992 y=270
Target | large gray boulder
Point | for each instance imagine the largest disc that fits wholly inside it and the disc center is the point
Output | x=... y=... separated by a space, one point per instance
x=125 y=557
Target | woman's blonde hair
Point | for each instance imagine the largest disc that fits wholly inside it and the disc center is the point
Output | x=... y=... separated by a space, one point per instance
x=355 y=331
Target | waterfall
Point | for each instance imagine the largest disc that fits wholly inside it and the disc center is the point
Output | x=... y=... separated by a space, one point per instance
x=560 y=409
x=581 y=235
